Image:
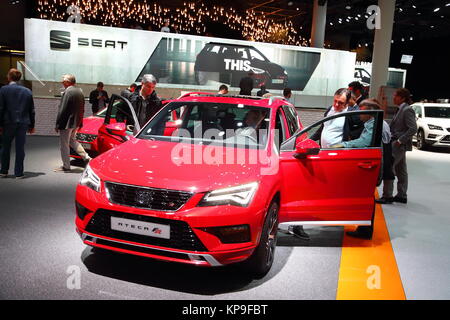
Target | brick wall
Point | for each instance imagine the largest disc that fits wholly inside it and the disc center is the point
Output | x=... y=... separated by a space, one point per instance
x=46 y=112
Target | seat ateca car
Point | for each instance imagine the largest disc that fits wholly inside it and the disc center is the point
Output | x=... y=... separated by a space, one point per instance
x=433 y=122
x=227 y=63
x=212 y=187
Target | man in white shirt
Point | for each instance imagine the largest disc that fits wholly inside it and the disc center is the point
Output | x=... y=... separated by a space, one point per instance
x=333 y=130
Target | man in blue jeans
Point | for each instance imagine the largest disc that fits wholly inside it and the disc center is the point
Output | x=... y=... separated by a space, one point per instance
x=17 y=117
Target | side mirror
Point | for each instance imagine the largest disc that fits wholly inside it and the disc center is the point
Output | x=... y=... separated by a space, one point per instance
x=118 y=129
x=306 y=148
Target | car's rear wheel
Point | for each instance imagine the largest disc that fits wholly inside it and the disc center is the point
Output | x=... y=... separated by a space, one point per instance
x=260 y=263
x=421 y=144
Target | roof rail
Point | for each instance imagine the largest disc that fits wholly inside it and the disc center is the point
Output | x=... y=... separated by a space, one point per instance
x=208 y=94
x=276 y=98
x=195 y=94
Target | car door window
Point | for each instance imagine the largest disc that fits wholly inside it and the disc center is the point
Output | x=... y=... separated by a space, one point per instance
x=322 y=131
x=292 y=120
x=120 y=111
x=280 y=129
x=242 y=53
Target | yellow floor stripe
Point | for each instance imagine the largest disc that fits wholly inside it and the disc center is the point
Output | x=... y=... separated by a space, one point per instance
x=368 y=268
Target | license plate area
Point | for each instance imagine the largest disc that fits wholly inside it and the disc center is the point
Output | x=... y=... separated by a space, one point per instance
x=154 y=230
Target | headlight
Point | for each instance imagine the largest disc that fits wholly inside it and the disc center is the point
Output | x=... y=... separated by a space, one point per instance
x=236 y=196
x=90 y=179
x=433 y=127
x=285 y=72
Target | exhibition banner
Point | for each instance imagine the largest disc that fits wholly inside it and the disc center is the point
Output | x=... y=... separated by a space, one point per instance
x=120 y=56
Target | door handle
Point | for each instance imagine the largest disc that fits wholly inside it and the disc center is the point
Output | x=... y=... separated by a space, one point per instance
x=367 y=165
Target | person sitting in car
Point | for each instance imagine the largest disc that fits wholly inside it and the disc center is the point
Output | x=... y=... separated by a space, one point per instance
x=366 y=137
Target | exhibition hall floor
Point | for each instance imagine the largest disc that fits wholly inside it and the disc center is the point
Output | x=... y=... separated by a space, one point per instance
x=408 y=258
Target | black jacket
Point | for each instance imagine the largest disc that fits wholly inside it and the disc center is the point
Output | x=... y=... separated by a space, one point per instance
x=93 y=99
x=16 y=106
x=246 y=85
x=145 y=109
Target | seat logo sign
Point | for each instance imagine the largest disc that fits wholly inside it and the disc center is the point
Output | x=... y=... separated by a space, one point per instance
x=59 y=40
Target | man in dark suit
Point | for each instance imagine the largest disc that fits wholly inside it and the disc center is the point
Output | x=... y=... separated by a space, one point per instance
x=69 y=120
x=17 y=117
x=403 y=128
x=128 y=92
x=358 y=89
x=98 y=98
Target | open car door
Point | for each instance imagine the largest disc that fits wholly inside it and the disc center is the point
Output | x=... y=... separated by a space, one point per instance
x=331 y=186
x=120 y=123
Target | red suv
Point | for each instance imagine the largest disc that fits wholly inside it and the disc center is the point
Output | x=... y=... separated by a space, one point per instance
x=209 y=179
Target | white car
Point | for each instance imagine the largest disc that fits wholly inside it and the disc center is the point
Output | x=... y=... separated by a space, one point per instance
x=433 y=122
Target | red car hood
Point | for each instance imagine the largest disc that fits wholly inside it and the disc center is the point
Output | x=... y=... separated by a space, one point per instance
x=91 y=125
x=153 y=164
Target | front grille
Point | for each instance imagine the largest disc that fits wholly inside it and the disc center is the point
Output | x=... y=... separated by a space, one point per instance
x=446 y=139
x=181 y=235
x=147 y=198
x=82 y=137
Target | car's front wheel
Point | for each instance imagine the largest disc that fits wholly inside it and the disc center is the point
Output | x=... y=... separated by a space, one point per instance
x=260 y=263
x=421 y=144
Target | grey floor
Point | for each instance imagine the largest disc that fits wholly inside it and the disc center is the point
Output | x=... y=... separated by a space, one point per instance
x=420 y=231
x=40 y=250
x=39 y=247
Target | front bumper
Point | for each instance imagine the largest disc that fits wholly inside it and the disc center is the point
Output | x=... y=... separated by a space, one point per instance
x=437 y=138
x=196 y=247
x=205 y=259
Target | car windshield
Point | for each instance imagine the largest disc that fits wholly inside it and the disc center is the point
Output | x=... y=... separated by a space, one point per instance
x=437 y=112
x=208 y=123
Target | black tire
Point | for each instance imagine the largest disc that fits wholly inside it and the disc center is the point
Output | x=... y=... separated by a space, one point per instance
x=260 y=262
x=421 y=143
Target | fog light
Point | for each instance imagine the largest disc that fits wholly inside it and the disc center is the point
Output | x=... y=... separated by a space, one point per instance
x=432 y=136
x=81 y=211
x=231 y=234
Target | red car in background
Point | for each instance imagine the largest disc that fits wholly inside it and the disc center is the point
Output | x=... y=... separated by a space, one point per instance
x=99 y=133
x=178 y=192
